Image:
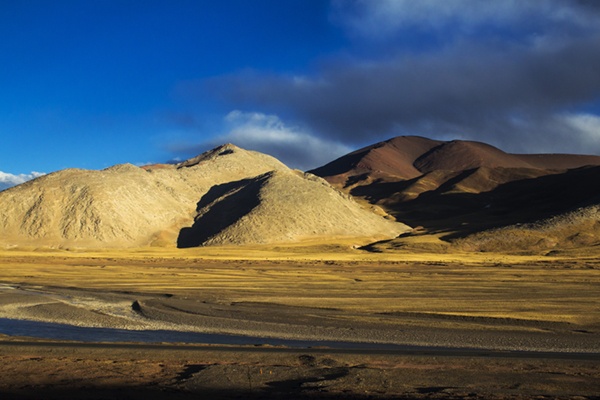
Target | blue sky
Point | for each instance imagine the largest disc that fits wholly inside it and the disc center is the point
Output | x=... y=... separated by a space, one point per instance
x=90 y=84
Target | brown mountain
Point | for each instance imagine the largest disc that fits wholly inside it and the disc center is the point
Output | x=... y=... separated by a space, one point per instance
x=459 y=188
x=460 y=155
x=409 y=157
x=127 y=206
x=392 y=159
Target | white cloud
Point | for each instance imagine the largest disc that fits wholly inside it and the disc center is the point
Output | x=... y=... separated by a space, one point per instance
x=9 y=180
x=270 y=135
x=587 y=129
x=571 y=133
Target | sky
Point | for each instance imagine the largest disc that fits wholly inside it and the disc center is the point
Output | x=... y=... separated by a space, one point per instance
x=90 y=84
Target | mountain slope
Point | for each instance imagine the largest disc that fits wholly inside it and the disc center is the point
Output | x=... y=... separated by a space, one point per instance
x=460 y=155
x=393 y=159
x=120 y=206
x=127 y=206
x=409 y=157
x=281 y=206
x=463 y=187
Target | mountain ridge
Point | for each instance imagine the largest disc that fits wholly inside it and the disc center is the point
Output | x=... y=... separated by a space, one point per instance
x=407 y=157
x=128 y=206
x=471 y=194
x=468 y=194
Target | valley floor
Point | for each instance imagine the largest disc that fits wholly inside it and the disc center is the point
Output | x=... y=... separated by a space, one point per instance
x=479 y=301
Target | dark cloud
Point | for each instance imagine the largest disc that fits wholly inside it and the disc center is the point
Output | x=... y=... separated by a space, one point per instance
x=521 y=88
x=588 y=4
x=471 y=90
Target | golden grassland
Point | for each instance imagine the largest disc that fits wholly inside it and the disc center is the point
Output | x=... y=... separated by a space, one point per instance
x=482 y=297
x=333 y=274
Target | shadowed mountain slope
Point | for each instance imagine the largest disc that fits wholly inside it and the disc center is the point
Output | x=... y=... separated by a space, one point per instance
x=520 y=201
x=559 y=161
x=464 y=187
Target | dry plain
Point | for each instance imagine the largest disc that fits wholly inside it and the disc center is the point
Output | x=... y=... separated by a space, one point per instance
x=532 y=320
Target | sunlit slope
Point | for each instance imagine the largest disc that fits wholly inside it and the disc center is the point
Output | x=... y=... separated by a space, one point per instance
x=120 y=206
x=281 y=206
x=128 y=206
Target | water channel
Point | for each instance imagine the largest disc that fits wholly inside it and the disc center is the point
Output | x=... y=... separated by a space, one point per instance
x=54 y=331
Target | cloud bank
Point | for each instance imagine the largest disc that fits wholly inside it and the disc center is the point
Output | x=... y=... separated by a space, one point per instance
x=269 y=134
x=519 y=74
x=9 y=180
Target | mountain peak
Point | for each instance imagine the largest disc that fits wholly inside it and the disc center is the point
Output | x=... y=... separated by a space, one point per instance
x=247 y=197
x=218 y=151
x=462 y=155
x=393 y=157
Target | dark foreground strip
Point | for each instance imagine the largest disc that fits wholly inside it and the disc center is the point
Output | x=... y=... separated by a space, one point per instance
x=399 y=351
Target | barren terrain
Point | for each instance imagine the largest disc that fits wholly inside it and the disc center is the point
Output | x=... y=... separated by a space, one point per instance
x=231 y=275
x=33 y=370
x=538 y=306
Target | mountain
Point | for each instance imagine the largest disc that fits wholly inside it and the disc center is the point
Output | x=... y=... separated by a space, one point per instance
x=465 y=194
x=460 y=155
x=456 y=189
x=555 y=210
x=128 y=206
x=393 y=158
x=410 y=157
x=280 y=206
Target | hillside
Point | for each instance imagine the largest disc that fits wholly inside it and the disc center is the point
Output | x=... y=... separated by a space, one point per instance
x=459 y=155
x=571 y=230
x=409 y=157
x=127 y=206
x=120 y=206
x=393 y=158
x=281 y=206
x=464 y=187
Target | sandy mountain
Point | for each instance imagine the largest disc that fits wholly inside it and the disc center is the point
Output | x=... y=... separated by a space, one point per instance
x=579 y=228
x=127 y=206
x=281 y=206
x=120 y=206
